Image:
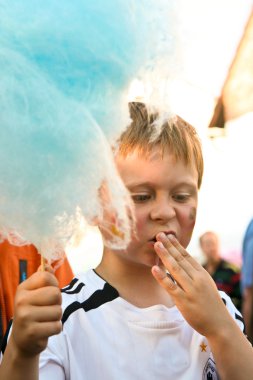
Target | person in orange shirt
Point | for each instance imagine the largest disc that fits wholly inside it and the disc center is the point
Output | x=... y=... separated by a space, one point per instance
x=17 y=263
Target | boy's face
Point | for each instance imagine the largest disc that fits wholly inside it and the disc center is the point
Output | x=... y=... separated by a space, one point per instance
x=165 y=194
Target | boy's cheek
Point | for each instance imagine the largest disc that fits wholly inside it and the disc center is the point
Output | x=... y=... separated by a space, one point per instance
x=189 y=218
x=140 y=226
x=141 y=221
x=192 y=216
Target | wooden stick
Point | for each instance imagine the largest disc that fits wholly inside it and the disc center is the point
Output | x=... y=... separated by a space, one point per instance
x=43 y=263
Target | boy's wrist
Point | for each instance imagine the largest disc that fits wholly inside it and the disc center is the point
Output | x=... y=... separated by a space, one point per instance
x=17 y=364
x=20 y=354
x=225 y=334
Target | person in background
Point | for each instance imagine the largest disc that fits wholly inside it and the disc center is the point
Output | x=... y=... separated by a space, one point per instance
x=225 y=274
x=247 y=280
x=17 y=263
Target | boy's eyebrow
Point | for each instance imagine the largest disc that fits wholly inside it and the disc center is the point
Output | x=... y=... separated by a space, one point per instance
x=136 y=185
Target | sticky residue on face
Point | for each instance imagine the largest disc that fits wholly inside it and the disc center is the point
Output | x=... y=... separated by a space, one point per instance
x=192 y=215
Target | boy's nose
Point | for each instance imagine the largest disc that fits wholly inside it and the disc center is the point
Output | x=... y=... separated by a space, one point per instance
x=163 y=211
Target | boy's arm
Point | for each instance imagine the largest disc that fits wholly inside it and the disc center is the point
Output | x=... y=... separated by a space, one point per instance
x=17 y=366
x=232 y=351
x=37 y=316
x=196 y=296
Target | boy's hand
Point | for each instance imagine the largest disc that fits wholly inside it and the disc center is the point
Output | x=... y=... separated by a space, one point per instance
x=37 y=313
x=194 y=292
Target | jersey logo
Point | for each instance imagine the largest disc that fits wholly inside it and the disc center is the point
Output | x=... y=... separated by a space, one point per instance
x=210 y=372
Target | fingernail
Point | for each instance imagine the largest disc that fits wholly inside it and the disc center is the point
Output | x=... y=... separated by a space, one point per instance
x=159 y=244
x=156 y=269
x=162 y=235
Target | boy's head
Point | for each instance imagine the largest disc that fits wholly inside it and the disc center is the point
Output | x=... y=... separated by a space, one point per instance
x=162 y=168
x=148 y=131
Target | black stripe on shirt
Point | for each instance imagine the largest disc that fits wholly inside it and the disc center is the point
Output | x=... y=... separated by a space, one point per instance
x=237 y=316
x=98 y=298
x=5 y=339
x=70 y=286
x=74 y=291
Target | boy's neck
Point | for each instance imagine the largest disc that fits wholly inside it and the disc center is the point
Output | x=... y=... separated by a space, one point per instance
x=134 y=282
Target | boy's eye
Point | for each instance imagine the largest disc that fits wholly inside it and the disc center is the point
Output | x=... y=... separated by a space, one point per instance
x=138 y=198
x=183 y=197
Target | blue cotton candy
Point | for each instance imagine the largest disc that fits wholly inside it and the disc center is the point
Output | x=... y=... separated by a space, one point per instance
x=65 y=68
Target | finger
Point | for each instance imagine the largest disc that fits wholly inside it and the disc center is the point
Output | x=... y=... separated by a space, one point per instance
x=166 y=281
x=173 y=266
x=47 y=313
x=49 y=295
x=41 y=330
x=39 y=280
x=32 y=314
x=180 y=256
x=35 y=335
x=184 y=253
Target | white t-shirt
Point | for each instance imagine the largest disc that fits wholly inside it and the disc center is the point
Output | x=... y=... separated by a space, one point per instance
x=106 y=338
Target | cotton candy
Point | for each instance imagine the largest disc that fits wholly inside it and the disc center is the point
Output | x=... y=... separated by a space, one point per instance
x=65 y=70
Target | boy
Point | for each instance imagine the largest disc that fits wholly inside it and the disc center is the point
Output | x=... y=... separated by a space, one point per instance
x=150 y=311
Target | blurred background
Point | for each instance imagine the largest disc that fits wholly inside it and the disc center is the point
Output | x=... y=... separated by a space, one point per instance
x=214 y=92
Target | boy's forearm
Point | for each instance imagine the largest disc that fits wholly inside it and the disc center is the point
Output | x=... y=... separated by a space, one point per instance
x=233 y=354
x=16 y=366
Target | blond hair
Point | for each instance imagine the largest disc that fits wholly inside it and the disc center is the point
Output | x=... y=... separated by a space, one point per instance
x=148 y=130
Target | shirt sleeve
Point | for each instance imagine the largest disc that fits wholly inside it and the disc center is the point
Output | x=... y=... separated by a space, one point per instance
x=236 y=315
x=54 y=361
x=52 y=371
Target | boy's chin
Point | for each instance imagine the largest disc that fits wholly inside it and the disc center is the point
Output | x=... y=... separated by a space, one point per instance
x=155 y=260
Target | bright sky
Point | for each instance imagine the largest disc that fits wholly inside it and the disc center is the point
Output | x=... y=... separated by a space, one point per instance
x=210 y=32
x=225 y=199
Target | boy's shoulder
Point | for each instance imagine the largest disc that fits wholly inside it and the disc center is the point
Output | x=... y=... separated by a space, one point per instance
x=87 y=291
x=81 y=286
